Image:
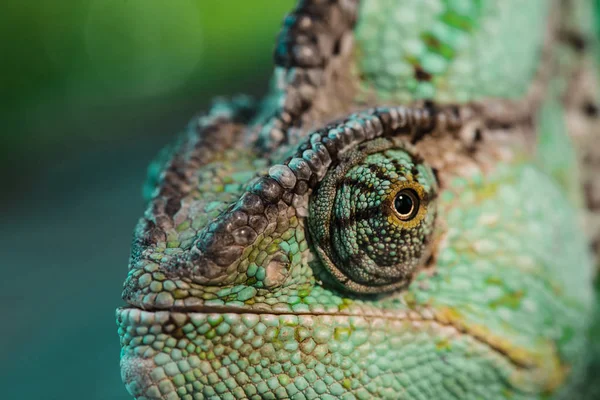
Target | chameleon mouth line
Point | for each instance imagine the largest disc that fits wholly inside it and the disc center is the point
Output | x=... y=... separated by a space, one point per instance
x=520 y=358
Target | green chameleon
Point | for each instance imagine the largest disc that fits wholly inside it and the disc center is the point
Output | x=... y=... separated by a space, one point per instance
x=403 y=216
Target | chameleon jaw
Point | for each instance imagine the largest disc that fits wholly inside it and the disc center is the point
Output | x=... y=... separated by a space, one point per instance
x=218 y=350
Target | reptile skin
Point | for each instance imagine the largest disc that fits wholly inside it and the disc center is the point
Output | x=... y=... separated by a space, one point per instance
x=410 y=213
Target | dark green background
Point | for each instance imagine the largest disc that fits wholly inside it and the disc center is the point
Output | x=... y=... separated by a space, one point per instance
x=89 y=92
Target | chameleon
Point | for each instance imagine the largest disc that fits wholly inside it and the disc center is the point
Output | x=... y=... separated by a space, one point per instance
x=410 y=212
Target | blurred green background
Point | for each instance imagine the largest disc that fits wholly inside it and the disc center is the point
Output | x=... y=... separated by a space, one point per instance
x=89 y=92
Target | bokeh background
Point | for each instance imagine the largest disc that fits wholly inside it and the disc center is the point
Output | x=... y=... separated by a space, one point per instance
x=89 y=92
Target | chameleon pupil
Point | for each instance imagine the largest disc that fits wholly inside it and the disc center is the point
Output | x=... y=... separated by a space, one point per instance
x=406 y=204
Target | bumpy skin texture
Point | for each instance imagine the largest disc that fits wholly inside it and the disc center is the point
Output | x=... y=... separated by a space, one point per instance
x=318 y=244
x=429 y=50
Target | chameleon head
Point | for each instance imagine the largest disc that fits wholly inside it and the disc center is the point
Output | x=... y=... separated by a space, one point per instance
x=274 y=294
x=400 y=252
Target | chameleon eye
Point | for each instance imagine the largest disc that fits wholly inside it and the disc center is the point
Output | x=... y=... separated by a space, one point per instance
x=372 y=217
x=406 y=204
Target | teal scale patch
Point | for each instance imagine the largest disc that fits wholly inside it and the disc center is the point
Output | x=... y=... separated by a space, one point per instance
x=449 y=50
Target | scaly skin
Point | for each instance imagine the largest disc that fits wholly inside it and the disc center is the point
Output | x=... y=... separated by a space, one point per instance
x=279 y=256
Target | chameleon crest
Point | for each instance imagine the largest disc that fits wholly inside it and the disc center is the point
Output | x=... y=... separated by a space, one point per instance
x=400 y=216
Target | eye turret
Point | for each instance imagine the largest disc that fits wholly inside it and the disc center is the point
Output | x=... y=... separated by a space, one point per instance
x=372 y=217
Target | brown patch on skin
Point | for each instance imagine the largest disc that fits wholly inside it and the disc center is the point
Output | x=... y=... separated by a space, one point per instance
x=471 y=135
x=276 y=271
x=152 y=234
x=574 y=39
x=436 y=174
x=592 y=196
x=590 y=109
x=178 y=333
x=429 y=266
x=421 y=74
